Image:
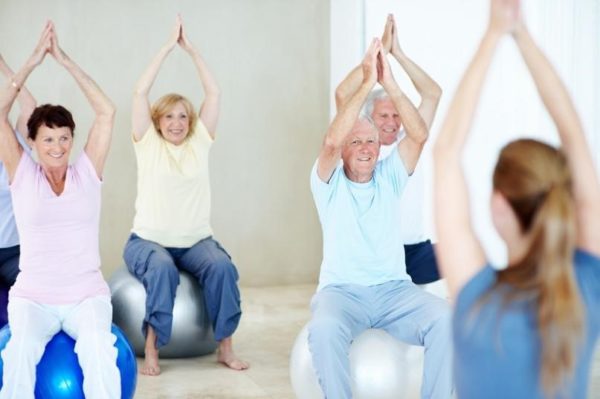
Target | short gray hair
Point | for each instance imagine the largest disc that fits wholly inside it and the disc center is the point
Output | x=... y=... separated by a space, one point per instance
x=369 y=106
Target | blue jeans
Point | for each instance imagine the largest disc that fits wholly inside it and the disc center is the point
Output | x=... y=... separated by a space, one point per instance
x=9 y=265
x=341 y=312
x=158 y=267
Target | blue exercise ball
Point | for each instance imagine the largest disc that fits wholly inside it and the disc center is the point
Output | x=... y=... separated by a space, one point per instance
x=58 y=375
x=3 y=305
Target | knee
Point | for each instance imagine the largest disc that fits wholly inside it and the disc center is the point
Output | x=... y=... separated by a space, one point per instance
x=442 y=323
x=162 y=268
x=326 y=330
x=95 y=338
x=24 y=345
x=222 y=270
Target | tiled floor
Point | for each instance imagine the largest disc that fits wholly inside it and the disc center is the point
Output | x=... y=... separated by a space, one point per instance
x=272 y=318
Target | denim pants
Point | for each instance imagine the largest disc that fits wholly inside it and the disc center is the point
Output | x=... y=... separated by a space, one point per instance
x=158 y=267
x=341 y=312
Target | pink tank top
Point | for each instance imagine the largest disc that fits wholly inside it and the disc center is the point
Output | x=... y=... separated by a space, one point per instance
x=60 y=259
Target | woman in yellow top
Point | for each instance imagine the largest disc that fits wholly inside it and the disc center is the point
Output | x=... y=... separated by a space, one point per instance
x=171 y=229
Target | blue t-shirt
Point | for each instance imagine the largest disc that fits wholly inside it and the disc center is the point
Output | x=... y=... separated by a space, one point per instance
x=497 y=350
x=360 y=225
x=8 y=229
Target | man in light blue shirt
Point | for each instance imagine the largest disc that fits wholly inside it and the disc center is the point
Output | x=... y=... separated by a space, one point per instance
x=9 y=238
x=363 y=282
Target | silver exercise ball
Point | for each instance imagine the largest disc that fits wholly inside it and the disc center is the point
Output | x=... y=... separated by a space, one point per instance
x=192 y=333
x=378 y=367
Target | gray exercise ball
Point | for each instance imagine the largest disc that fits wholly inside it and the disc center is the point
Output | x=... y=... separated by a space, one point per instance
x=378 y=366
x=192 y=333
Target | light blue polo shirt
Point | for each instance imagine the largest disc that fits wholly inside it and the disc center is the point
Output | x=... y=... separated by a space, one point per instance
x=497 y=348
x=8 y=229
x=360 y=225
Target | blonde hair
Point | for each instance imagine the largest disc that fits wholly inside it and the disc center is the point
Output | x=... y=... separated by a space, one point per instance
x=163 y=106
x=536 y=181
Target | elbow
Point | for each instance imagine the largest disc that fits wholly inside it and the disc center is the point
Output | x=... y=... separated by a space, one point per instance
x=421 y=135
x=330 y=145
x=445 y=153
x=214 y=93
x=108 y=111
x=434 y=93
x=340 y=98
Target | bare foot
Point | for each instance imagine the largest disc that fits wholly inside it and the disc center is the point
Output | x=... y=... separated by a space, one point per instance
x=226 y=356
x=150 y=366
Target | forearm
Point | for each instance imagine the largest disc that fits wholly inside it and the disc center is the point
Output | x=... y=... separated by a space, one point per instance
x=459 y=117
x=348 y=86
x=346 y=117
x=427 y=87
x=552 y=91
x=209 y=83
x=101 y=104
x=26 y=101
x=145 y=82
x=13 y=87
x=557 y=101
x=414 y=125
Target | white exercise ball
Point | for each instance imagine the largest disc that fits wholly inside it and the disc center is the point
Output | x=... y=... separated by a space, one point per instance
x=378 y=367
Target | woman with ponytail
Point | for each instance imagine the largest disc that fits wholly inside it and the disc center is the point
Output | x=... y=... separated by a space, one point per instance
x=529 y=330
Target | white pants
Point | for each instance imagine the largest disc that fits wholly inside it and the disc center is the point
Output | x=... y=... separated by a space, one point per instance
x=32 y=325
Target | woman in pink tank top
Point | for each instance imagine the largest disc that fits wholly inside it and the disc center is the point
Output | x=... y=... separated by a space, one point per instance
x=57 y=212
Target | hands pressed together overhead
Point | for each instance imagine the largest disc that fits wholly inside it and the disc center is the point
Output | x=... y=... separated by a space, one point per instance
x=48 y=44
x=376 y=67
x=179 y=37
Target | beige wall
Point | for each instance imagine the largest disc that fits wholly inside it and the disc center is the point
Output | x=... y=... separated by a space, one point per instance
x=271 y=60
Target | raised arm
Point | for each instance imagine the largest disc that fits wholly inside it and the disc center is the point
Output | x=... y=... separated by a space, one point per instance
x=26 y=101
x=341 y=126
x=410 y=147
x=460 y=254
x=556 y=99
x=209 y=110
x=10 y=150
x=140 y=112
x=428 y=89
x=353 y=80
x=99 y=137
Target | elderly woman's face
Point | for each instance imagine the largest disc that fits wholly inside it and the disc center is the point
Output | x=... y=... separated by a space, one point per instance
x=53 y=146
x=175 y=124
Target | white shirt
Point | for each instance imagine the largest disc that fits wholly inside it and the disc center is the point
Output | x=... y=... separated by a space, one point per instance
x=412 y=202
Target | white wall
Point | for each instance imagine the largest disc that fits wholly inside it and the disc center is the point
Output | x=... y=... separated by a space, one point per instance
x=442 y=35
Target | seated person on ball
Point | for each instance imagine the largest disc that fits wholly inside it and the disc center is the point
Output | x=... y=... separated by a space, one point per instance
x=380 y=109
x=363 y=282
x=57 y=212
x=171 y=229
x=9 y=237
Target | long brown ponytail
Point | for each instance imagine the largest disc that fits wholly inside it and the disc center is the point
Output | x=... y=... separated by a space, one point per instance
x=535 y=179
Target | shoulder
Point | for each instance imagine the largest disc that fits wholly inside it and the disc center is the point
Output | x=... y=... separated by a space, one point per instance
x=26 y=168
x=83 y=166
x=150 y=138
x=475 y=288
x=199 y=138
x=587 y=269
